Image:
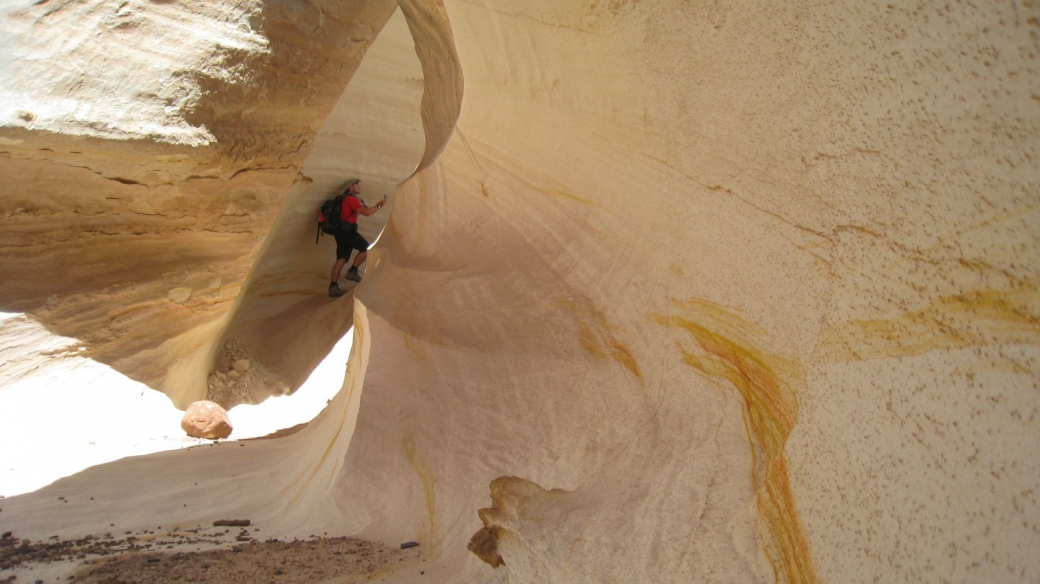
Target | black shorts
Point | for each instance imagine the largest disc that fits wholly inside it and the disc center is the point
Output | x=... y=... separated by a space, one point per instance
x=347 y=242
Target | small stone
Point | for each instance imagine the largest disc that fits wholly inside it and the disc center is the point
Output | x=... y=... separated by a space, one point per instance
x=231 y=523
x=234 y=375
x=206 y=419
x=242 y=365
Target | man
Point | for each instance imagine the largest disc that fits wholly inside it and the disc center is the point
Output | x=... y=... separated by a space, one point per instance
x=348 y=239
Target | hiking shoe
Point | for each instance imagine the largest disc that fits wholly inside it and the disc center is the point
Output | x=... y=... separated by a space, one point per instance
x=334 y=291
x=353 y=276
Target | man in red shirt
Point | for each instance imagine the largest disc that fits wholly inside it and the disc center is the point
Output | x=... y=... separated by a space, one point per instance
x=348 y=239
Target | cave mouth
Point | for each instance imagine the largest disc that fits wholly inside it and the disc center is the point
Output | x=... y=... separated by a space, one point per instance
x=78 y=413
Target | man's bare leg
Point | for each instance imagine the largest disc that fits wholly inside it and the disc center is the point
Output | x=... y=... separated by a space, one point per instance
x=352 y=273
x=337 y=269
x=334 y=290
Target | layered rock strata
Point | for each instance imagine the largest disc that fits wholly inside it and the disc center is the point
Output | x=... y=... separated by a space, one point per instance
x=693 y=292
x=147 y=149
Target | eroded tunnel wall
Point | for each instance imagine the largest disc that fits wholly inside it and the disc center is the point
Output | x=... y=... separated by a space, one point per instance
x=716 y=292
x=754 y=285
x=146 y=150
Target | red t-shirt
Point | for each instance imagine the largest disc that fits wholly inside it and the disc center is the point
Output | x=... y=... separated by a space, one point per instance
x=348 y=211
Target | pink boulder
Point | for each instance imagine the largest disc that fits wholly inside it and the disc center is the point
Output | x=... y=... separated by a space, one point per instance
x=205 y=419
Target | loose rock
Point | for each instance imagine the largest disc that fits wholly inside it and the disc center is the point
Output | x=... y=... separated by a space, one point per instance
x=205 y=419
x=231 y=523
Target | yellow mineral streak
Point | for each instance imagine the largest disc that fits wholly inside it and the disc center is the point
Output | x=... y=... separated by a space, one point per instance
x=599 y=338
x=728 y=350
x=976 y=318
x=429 y=484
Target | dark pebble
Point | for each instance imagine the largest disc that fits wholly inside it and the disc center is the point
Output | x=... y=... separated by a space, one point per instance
x=231 y=523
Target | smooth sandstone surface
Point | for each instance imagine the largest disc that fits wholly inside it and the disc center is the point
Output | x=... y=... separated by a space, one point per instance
x=684 y=292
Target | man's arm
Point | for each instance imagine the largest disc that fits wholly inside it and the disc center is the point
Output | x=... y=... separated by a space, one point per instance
x=368 y=211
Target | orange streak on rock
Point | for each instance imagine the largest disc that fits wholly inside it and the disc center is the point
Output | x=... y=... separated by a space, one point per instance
x=727 y=350
x=978 y=318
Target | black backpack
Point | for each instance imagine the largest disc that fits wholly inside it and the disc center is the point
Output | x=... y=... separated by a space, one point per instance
x=329 y=220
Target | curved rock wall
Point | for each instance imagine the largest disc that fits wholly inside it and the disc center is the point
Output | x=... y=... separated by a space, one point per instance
x=147 y=149
x=694 y=292
x=374 y=133
x=754 y=286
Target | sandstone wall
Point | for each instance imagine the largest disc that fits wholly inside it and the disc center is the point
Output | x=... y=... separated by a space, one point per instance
x=694 y=292
x=147 y=149
x=284 y=319
x=745 y=291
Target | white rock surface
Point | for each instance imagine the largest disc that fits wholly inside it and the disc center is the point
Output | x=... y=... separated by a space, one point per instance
x=693 y=292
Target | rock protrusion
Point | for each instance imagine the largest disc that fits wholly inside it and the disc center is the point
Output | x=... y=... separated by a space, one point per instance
x=205 y=419
x=484 y=544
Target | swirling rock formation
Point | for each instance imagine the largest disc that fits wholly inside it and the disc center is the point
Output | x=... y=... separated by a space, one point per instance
x=703 y=291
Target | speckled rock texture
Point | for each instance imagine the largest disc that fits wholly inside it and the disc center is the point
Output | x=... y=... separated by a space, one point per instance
x=677 y=291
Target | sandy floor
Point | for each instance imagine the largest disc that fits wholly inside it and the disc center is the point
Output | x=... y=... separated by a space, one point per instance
x=228 y=554
x=60 y=405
